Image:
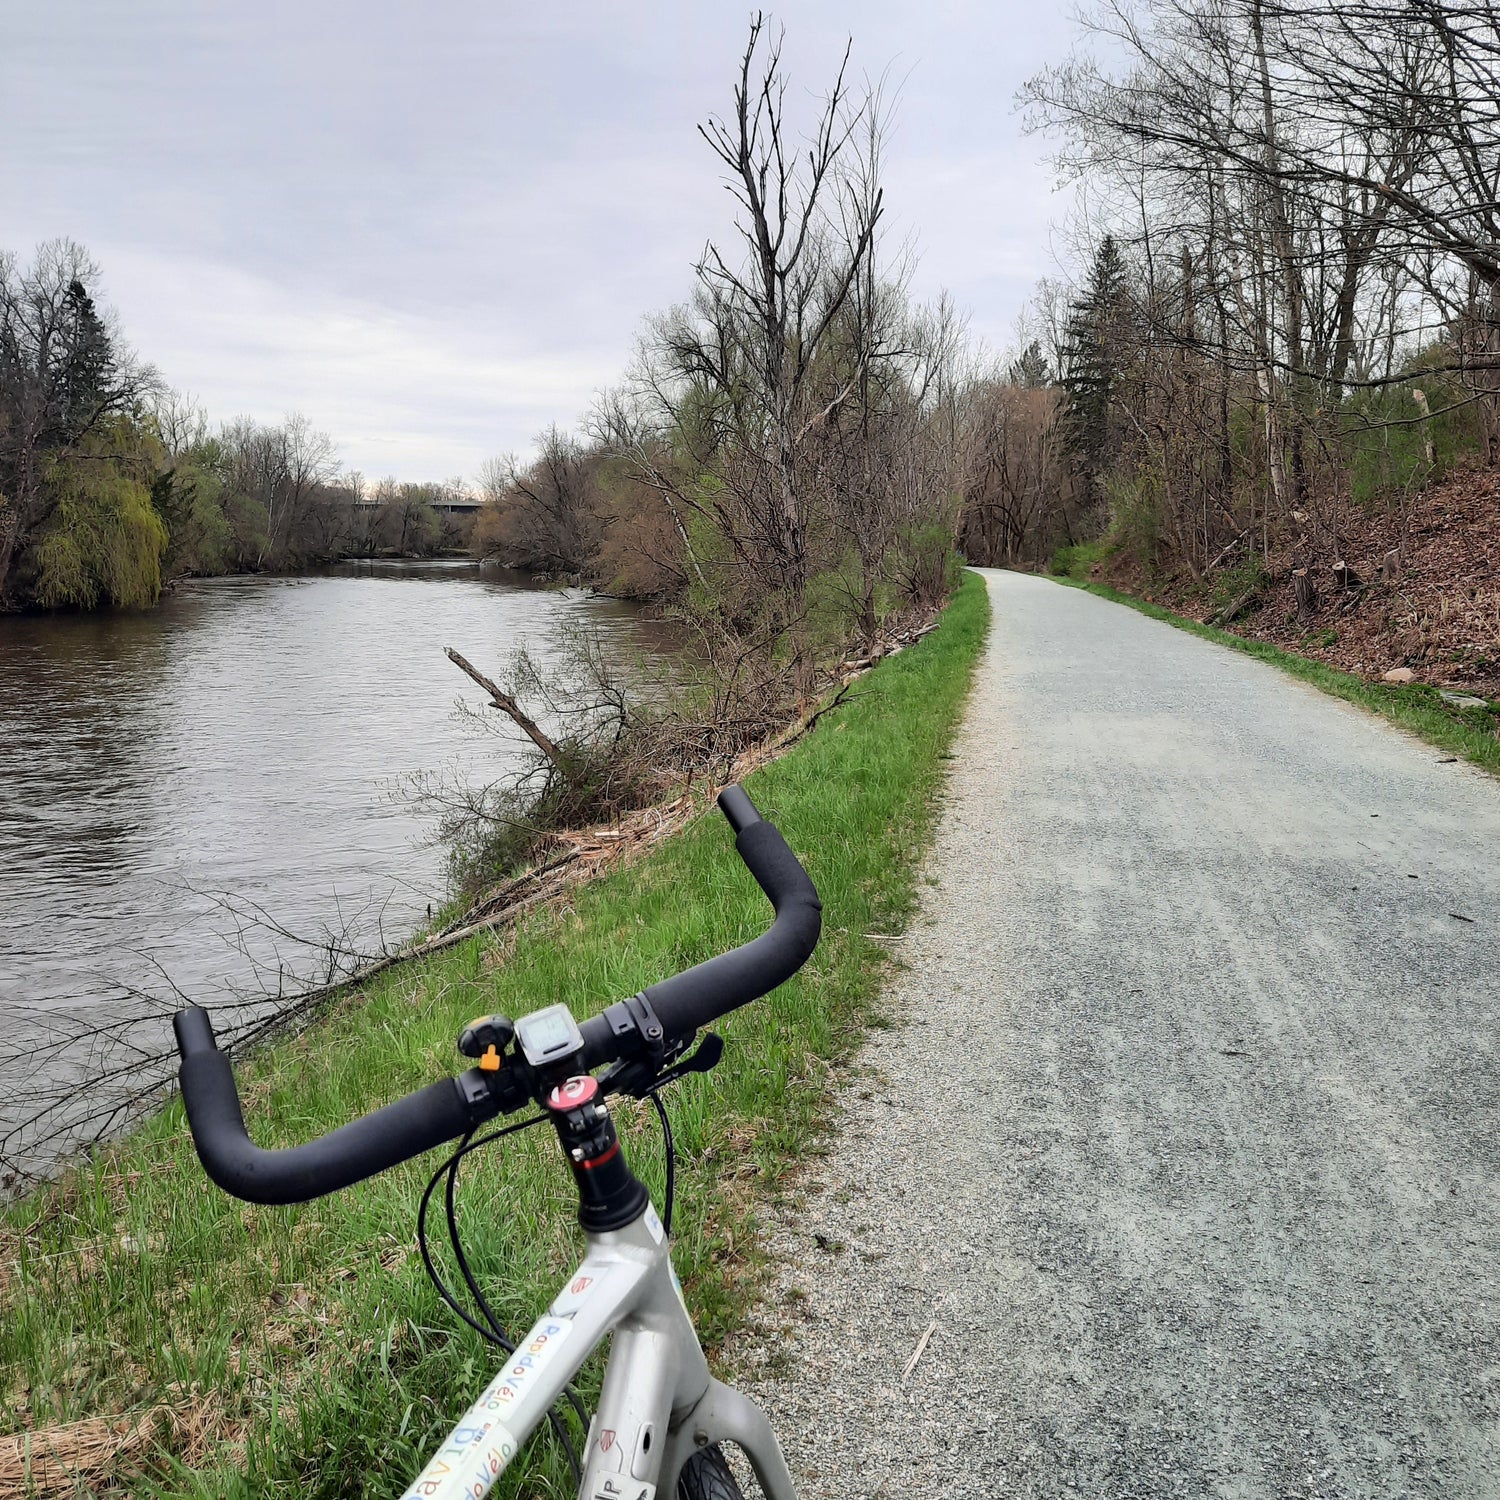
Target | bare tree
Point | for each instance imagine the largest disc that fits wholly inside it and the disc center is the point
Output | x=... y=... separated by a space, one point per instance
x=1296 y=185
x=278 y=470
x=734 y=374
x=543 y=515
x=181 y=422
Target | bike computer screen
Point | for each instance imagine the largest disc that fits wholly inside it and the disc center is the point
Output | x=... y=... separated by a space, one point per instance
x=548 y=1035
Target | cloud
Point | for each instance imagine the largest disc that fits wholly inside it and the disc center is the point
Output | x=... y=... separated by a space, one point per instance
x=434 y=230
x=415 y=396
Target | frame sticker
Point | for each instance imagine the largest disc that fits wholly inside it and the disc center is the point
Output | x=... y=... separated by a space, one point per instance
x=585 y=1283
x=478 y=1449
x=532 y=1355
x=621 y=1487
x=469 y=1462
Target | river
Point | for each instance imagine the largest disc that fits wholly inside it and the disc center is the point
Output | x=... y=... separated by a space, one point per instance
x=247 y=745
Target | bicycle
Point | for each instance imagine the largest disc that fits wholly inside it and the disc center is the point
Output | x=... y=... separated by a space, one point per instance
x=662 y=1416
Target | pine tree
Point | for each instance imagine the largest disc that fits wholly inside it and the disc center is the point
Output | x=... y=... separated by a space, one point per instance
x=86 y=384
x=1030 y=368
x=1094 y=360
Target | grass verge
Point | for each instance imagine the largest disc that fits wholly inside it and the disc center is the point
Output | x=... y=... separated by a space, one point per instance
x=1467 y=732
x=270 y=1352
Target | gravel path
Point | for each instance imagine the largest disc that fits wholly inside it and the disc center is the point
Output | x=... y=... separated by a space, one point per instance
x=1186 y=1143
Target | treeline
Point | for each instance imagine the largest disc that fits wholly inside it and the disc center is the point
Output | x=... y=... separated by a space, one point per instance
x=983 y=467
x=1289 y=296
x=253 y=497
x=111 y=485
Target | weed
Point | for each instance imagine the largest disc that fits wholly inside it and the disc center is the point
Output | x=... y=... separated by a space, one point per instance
x=1235 y=587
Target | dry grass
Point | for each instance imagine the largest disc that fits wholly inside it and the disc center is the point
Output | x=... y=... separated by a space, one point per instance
x=106 y=1454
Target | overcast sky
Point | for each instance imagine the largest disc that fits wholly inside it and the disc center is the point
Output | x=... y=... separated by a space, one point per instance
x=435 y=228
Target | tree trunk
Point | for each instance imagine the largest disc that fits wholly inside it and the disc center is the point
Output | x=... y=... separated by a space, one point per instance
x=1307 y=594
x=508 y=705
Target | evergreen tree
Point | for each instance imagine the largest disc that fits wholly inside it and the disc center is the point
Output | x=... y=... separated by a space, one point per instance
x=1094 y=359
x=1030 y=368
x=86 y=384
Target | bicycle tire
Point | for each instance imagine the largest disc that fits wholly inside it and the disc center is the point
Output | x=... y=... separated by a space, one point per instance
x=706 y=1476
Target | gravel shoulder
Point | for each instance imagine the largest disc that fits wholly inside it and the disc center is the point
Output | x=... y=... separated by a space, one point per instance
x=1184 y=1139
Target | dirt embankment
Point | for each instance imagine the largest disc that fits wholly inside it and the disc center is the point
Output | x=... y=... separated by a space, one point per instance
x=1434 y=609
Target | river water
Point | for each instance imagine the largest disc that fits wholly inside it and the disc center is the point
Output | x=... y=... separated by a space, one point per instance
x=172 y=781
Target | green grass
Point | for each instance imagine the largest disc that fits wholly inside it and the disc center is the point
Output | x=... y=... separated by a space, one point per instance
x=1467 y=732
x=310 y=1338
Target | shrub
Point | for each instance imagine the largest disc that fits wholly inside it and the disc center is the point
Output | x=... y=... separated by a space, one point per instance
x=924 y=569
x=1137 y=517
x=1079 y=559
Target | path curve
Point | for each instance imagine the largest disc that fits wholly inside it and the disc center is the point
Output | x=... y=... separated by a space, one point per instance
x=1187 y=1143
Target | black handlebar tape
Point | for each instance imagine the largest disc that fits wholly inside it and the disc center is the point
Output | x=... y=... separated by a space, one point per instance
x=345 y=1156
x=439 y=1112
x=693 y=999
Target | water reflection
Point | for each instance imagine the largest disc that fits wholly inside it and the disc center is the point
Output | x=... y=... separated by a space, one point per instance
x=248 y=737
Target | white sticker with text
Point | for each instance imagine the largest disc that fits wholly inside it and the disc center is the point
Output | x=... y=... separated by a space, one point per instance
x=531 y=1356
x=468 y=1463
x=623 y=1488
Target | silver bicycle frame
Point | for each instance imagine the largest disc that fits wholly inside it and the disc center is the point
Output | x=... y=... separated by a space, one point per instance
x=658 y=1404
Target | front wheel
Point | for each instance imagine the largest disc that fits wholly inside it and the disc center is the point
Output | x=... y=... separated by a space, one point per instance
x=706 y=1476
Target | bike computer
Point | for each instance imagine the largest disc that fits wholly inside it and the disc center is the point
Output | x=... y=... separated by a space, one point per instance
x=549 y=1035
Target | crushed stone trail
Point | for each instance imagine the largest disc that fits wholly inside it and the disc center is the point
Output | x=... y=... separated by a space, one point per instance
x=1185 y=1140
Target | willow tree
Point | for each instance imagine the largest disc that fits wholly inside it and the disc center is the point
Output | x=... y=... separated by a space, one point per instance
x=69 y=391
x=103 y=540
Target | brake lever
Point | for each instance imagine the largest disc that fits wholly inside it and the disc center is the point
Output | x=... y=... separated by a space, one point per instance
x=640 y=1077
x=703 y=1059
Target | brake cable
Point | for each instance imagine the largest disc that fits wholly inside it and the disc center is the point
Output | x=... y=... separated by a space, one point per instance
x=492 y=1330
x=669 y=1151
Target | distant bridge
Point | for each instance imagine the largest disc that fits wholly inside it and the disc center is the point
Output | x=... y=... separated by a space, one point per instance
x=442 y=507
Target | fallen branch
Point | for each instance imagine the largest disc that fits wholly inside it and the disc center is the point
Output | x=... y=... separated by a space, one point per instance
x=1226 y=551
x=1235 y=607
x=508 y=705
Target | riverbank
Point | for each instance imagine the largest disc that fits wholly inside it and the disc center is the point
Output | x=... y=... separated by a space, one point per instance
x=305 y=1348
